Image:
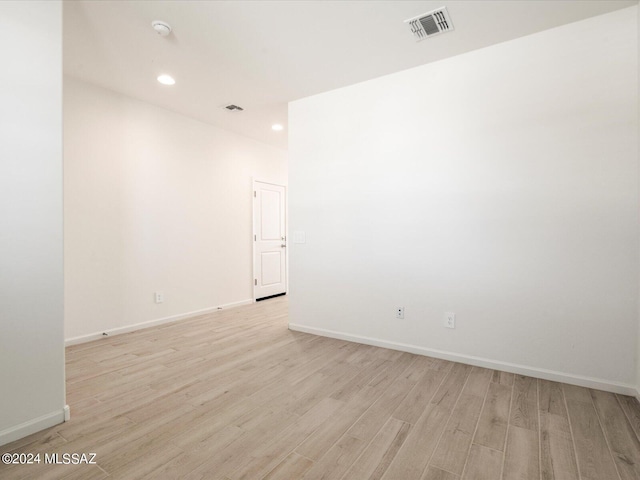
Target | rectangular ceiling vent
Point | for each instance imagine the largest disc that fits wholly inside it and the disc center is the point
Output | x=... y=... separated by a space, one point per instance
x=430 y=24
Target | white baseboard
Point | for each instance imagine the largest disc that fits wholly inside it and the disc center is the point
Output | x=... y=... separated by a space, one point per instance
x=12 y=434
x=150 y=323
x=544 y=374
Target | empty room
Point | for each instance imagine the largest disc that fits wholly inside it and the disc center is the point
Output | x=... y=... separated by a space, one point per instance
x=317 y=239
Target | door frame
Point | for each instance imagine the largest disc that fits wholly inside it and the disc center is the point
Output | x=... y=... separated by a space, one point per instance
x=255 y=180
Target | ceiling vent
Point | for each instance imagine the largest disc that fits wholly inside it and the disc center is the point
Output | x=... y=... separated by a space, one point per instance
x=234 y=108
x=430 y=24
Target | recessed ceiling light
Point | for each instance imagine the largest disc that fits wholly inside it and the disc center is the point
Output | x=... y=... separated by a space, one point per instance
x=166 y=80
x=277 y=127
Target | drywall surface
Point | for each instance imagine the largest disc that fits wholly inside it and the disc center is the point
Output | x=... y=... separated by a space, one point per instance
x=154 y=202
x=501 y=185
x=31 y=283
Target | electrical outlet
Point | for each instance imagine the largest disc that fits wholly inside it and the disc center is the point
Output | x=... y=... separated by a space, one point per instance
x=450 y=320
x=400 y=312
x=159 y=297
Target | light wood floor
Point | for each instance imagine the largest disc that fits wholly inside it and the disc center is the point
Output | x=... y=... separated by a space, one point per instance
x=235 y=395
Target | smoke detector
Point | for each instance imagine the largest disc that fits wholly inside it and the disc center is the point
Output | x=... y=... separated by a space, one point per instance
x=430 y=24
x=162 y=28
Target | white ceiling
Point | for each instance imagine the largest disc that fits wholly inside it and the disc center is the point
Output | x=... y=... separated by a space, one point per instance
x=262 y=54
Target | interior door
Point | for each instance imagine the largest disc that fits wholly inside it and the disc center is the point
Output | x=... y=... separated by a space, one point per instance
x=270 y=252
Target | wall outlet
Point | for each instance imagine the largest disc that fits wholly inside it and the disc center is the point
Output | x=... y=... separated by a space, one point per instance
x=450 y=320
x=159 y=297
x=399 y=312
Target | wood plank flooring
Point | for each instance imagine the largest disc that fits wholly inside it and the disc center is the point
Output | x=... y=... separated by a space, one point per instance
x=235 y=395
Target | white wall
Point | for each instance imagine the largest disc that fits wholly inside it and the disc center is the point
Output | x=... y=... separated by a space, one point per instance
x=31 y=298
x=638 y=342
x=154 y=201
x=501 y=185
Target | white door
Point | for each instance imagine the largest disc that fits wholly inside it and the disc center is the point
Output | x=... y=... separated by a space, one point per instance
x=270 y=252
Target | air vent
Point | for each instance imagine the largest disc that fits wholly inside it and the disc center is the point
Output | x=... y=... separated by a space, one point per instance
x=234 y=108
x=430 y=24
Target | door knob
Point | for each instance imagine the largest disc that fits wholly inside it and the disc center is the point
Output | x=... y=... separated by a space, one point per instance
x=283 y=245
